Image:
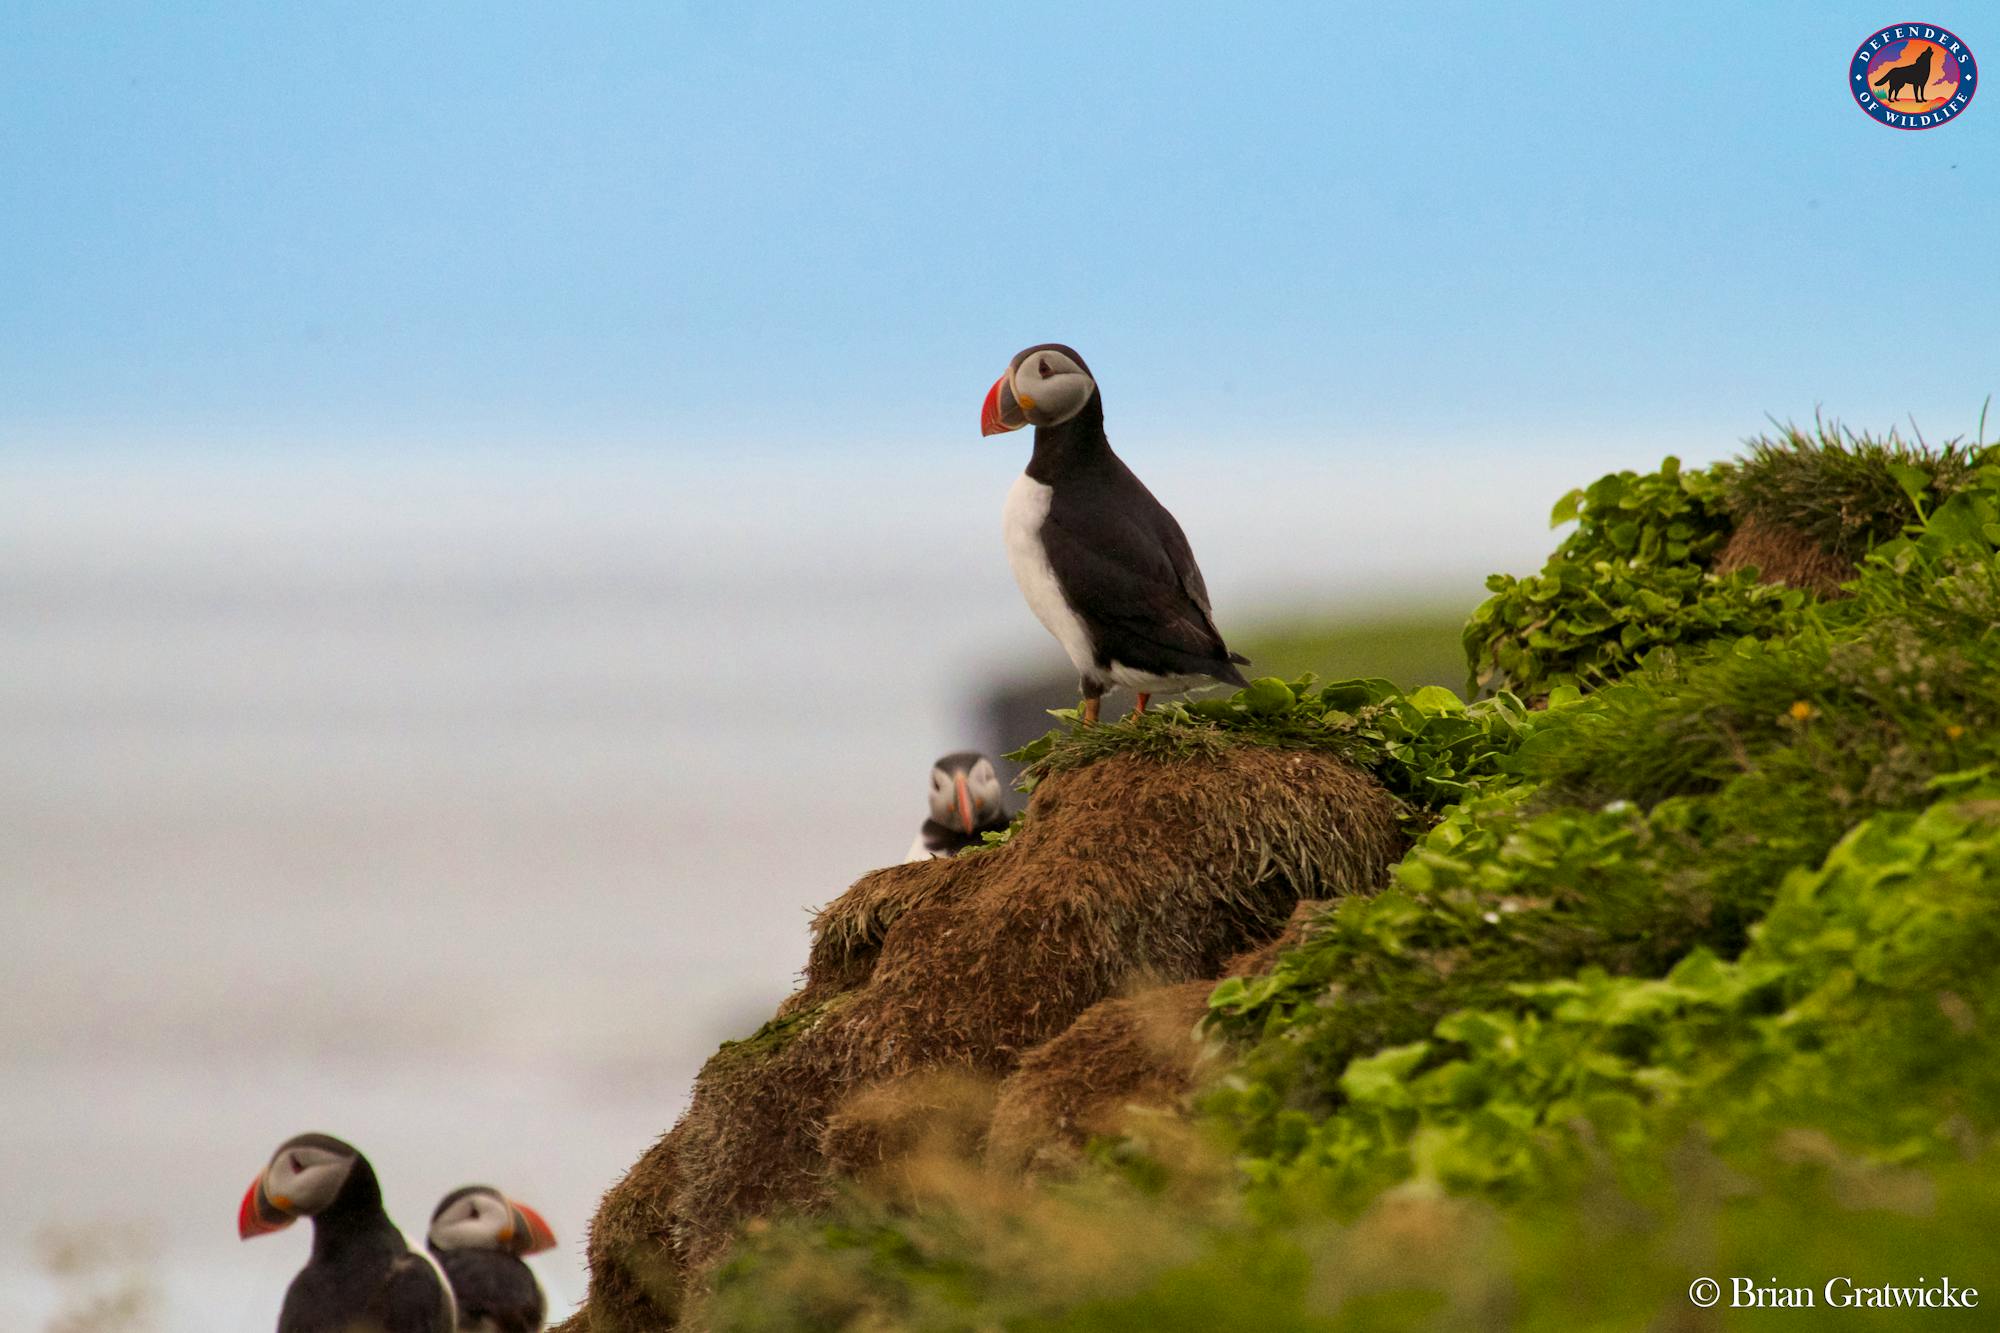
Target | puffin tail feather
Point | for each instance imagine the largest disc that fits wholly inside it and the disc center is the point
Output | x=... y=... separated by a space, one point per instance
x=1229 y=675
x=1239 y=659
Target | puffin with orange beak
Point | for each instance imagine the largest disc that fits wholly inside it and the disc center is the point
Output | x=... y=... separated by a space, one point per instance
x=362 y=1275
x=966 y=804
x=479 y=1236
x=1103 y=565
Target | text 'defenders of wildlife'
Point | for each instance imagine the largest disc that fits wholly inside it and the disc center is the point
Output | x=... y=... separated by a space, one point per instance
x=1913 y=76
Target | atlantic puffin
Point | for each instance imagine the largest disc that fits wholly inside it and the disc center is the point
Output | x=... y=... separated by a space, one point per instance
x=1104 y=566
x=478 y=1235
x=362 y=1276
x=966 y=803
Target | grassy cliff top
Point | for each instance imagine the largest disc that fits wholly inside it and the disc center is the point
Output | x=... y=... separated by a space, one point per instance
x=1691 y=968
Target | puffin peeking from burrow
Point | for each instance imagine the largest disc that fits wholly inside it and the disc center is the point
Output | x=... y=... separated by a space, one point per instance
x=362 y=1276
x=1104 y=566
x=478 y=1235
x=966 y=803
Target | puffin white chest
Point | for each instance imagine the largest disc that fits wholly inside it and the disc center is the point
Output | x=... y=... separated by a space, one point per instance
x=1021 y=523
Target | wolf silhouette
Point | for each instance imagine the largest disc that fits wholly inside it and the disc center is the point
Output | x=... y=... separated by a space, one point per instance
x=1916 y=74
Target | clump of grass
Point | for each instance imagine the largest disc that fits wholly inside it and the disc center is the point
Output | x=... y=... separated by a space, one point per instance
x=1427 y=747
x=1844 y=491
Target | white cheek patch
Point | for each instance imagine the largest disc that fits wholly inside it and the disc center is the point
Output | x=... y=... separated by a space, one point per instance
x=944 y=797
x=985 y=784
x=468 y=1233
x=473 y=1223
x=1058 y=395
x=306 y=1179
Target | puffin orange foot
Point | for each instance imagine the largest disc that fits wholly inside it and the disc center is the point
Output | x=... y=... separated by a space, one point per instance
x=1140 y=706
x=1090 y=707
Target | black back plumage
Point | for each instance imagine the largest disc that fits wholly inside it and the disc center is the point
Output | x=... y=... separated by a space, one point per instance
x=1123 y=562
x=362 y=1277
x=496 y=1292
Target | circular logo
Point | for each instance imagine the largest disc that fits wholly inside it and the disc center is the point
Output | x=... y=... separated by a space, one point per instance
x=1913 y=76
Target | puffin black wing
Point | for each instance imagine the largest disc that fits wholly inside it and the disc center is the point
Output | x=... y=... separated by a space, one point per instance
x=1126 y=569
x=497 y=1293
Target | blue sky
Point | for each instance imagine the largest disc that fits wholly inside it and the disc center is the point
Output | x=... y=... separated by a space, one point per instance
x=697 y=227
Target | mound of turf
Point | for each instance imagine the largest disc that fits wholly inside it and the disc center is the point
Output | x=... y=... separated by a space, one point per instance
x=931 y=978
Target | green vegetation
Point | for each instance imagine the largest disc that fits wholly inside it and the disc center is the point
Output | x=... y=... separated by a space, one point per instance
x=1845 y=492
x=1427 y=747
x=1692 y=972
x=1636 y=578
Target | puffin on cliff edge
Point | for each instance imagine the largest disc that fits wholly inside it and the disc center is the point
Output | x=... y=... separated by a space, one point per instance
x=478 y=1236
x=1103 y=565
x=361 y=1275
x=966 y=804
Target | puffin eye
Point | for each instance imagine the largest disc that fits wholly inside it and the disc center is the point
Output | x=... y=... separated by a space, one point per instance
x=1042 y=367
x=297 y=1165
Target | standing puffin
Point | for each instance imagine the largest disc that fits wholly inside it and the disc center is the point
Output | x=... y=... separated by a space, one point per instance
x=479 y=1235
x=362 y=1276
x=1104 y=566
x=965 y=804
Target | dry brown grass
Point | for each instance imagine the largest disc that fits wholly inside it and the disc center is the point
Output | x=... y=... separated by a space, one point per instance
x=1118 y=1057
x=1782 y=554
x=930 y=982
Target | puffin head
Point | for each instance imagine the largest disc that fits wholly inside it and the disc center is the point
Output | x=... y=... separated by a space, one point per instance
x=965 y=791
x=479 y=1217
x=1044 y=386
x=303 y=1179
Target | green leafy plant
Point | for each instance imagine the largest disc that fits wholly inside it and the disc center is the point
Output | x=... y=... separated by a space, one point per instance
x=1669 y=517
x=1631 y=579
x=1837 y=983
x=1584 y=625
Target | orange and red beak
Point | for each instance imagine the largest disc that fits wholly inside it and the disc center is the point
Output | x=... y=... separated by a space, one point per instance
x=964 y=804
x=259 y=1216
x=526 y=1232
x=1002 y=412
